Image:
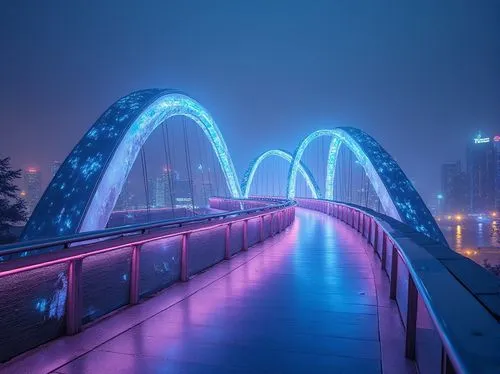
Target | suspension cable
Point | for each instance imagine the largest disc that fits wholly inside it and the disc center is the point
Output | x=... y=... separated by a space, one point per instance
x=188 y=162
x=168 y=160
x=205 y=199
x=145 y=181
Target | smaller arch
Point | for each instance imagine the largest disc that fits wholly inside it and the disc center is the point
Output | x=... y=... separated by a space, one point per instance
x=396 y=193
x=302 y=169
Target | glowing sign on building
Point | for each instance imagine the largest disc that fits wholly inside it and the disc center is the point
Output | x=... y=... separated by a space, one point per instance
x=496 y=138
x=481 y=140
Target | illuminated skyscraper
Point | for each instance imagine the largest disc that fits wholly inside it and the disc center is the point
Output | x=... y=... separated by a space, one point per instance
x=33 y=187
x=496 y=142
x=482 y=169
x=454 y=188
x=162 y=191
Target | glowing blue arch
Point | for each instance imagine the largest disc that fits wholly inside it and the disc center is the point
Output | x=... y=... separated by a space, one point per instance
x=85 y=189
x=397 y=195
x=302 y=169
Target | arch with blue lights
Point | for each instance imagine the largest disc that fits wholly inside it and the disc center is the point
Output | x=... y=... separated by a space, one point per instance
x=301 y=168
x=85 y=189
x=396 y=193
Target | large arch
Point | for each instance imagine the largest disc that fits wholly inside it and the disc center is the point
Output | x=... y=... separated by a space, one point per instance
x=302 y=169
x=397 y=195
x=85 y=189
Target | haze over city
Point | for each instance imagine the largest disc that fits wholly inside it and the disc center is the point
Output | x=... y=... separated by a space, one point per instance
x=421 y=77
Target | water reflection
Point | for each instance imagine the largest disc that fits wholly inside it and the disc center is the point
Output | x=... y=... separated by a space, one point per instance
x=476 y=240
x=458 y=238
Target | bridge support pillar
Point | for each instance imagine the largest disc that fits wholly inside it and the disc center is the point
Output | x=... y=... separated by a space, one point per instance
x=245 y=235
x=135 y=274
x=184 y=258
x=74 y=301
x=227 y=250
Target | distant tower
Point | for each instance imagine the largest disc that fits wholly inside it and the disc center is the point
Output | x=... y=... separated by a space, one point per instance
x=481 y=170
x=54 y=167
x=33 y=186
x=496 y=143
x=162 y=188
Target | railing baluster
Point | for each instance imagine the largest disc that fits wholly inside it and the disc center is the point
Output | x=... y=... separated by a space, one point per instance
x=135 y=274
x=383 y=259
x=227 y=250
x=184 y=257
x=394 y=273
x=245 y=235
x=272 y=221
x=261 y=228
x=411 y=319
x=74 y=301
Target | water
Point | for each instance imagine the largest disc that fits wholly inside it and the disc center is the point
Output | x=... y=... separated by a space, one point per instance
x=477 y=240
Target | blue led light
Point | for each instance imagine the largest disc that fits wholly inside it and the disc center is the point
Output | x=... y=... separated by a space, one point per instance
x=92 y=176
x=302 y=169
x=396 y=193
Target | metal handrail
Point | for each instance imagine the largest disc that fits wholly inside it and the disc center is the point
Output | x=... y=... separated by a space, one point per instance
x=112 y=233
x=452 y=351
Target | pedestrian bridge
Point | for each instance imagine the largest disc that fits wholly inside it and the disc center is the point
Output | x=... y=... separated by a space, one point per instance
x=270 y=283
x=318 y=287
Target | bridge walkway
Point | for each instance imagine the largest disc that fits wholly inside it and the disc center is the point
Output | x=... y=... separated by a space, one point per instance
x=310 y=300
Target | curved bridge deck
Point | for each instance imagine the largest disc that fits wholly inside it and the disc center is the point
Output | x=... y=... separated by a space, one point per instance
x=311 y=300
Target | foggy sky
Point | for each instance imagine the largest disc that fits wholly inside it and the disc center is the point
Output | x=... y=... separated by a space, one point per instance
x=420 y=76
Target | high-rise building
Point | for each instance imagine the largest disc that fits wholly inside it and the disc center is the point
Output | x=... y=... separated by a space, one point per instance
x=124 y=201
x=55 y=167
x=454 y=188
x=163 y=197
x=496 y=142
x=482 y=170
x=33 y=188
x=183 y=194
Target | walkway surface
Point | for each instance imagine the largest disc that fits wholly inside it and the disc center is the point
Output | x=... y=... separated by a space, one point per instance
x=310 y=300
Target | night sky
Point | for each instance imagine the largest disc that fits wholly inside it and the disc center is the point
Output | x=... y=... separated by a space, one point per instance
x=422 y=77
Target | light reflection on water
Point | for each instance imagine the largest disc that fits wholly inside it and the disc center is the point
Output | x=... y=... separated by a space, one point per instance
x=476 y=240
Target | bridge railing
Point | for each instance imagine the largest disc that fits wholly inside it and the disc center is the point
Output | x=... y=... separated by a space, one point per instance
x=449 y=305
x=49 y=294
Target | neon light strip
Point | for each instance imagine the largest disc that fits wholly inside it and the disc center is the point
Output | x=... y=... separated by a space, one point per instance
x=138 y=242
x=302 y=169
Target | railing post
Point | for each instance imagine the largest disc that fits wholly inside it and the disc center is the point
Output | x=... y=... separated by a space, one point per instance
x=261 y=228
x=362 y=224
x=383 y=259
x=352 y=218
x=74 y=301
x=184 y=258
x=135 y=274
x=375 y=239
x=411 y=319
x=446 y=365
x=272 y=221
x=245 y=235
x=368 y=237
x=227 y=249
x=394 y=273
